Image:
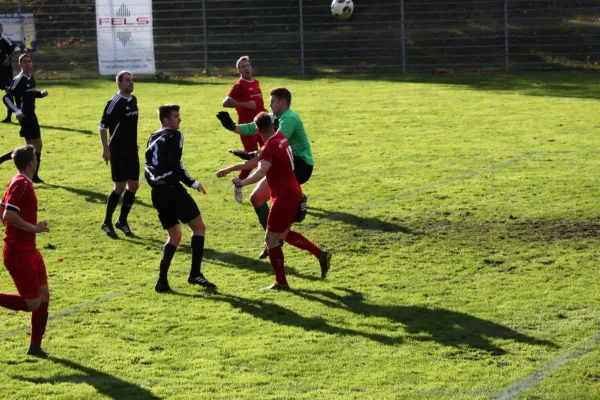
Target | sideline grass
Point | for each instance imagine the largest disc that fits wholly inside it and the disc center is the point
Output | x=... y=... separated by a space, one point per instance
x=463 y=217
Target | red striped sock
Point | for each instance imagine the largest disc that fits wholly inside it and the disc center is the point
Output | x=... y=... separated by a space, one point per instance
x=276 y=258
x=299 y=241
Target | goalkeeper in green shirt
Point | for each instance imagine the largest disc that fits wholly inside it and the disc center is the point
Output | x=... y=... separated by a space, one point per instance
x=288 y=123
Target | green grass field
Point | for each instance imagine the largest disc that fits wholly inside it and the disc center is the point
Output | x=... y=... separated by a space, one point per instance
x=462 y=212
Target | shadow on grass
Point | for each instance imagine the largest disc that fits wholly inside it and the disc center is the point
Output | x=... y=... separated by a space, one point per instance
x=63 y=128
x=108 y=385
x=359 y=222
x=446 y=327
x=271 y=312
x=93 y=197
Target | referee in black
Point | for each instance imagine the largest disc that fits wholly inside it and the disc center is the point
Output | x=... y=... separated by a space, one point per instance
x=164 y=172
x=120 y=118
x=7 y=52
x=23 y=90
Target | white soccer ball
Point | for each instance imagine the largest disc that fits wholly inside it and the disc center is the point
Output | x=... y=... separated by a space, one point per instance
x=342 y=9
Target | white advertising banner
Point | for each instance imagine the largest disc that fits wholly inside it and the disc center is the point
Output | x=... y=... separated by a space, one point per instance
x=125 y=40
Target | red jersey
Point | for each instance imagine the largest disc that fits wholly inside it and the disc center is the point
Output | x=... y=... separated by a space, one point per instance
x=280 y=176
x=20 y=197
x=243 y=91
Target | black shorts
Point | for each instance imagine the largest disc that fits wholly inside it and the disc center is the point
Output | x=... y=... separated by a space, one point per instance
x=30 y=128
x=174 y=204
x=302 y=170
x=125 y=167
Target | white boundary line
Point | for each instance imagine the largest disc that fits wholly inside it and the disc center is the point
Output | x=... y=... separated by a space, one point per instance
x=531 y=380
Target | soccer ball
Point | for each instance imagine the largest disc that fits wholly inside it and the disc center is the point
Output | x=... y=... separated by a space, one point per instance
x=342 y=9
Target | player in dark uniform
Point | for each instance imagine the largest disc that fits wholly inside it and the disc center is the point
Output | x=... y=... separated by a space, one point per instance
x=164 y=172
x=120 y=118
x=18 y=211
x=23 y=90
x=7 y=52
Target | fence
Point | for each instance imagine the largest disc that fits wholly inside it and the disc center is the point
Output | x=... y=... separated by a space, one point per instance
x=301 y=38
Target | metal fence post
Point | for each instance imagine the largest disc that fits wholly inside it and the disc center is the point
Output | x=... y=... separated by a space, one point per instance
x=403 y=38
x=506 y=50
x=205 y=34
x=301 y=38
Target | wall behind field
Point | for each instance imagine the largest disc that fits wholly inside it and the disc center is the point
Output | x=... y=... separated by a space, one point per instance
x=301 y=38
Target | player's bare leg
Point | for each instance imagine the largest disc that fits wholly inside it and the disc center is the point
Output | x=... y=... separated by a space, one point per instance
x=130 y=189
x=198 y=230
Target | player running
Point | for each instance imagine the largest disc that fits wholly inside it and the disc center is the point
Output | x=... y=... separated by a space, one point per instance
x=24 y=91
x=276 y=161
x=18 y=210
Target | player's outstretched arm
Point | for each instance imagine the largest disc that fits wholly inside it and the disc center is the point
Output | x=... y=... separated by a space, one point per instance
x=263 y=167
x=227 y=122
x=247 y=166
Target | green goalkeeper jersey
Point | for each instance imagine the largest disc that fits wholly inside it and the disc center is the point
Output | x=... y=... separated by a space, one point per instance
x=292 y=128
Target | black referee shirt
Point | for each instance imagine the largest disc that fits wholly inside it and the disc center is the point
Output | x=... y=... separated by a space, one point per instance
x=23 y=90
x=120 y=118
x=163 y=158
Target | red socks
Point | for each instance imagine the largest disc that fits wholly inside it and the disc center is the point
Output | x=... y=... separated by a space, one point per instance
x=13 y=302
x=276 y=258
x=39 y=319
x=299 y=241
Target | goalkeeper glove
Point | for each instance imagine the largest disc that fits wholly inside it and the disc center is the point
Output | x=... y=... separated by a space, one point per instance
x=226 y=120
x=243 y=154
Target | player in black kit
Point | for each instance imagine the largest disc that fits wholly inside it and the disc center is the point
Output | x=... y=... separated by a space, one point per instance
x=164 y=172
x=120 y=118
x=23 y=90
x=7 y=53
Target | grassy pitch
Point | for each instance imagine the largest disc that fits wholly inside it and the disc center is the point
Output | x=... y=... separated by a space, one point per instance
x=463 y=218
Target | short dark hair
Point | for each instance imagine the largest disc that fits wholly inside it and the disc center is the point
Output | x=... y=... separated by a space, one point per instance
x=263 y=121
x=121 y=74
x=242 y=58
x=282 y=93
x=165 y=110
x=24 y=55
x=23 y=155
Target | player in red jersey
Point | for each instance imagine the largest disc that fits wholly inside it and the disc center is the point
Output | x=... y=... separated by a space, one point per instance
x=22 y=259
x=246 y=97
x=276 y=161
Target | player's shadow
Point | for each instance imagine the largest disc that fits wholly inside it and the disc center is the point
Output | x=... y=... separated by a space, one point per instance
x=92 y=197
x=359 y=222
x=107 y=385
x=446 y=327
x=64 y=128
x=277 y=314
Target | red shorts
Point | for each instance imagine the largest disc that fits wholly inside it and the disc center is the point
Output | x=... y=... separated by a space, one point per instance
x=283 y=213
x=251 y=142
x=27 y=269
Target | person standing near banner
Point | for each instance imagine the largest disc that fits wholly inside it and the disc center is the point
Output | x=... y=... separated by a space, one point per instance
x=7 y=52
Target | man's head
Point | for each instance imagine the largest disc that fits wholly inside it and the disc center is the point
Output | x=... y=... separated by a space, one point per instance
x=26 y=63
x=264 y=123
x=24 y=158
x=281 y=100
x=244 y=67
x=125 y=82
x=169 y=116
